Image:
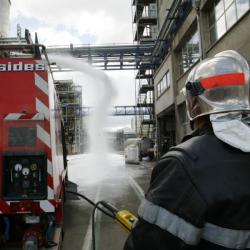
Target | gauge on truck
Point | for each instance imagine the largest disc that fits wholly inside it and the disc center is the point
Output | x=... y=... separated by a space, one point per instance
x=25 y=180
x=18 y=167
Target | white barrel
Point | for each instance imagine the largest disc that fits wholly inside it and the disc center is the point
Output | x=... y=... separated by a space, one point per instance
x=4 y=17
x=132 y=154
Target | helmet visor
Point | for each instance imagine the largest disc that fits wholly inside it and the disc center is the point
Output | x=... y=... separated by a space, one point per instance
x=220 y=84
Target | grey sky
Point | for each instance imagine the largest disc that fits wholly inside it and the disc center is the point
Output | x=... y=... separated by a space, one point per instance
x=78 y=21
x=61 y=22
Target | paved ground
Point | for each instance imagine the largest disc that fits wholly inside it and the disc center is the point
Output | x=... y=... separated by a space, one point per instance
x=120 y=184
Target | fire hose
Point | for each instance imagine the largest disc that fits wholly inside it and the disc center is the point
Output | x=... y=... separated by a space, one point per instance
x=124 y=218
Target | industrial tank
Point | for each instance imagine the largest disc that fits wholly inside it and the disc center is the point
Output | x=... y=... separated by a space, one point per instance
x=4 y=17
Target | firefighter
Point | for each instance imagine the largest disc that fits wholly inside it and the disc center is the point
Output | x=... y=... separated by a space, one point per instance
x=199 y=194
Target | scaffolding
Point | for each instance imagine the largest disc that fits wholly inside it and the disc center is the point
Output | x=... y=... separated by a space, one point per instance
x=70 y=96
x=145 y=32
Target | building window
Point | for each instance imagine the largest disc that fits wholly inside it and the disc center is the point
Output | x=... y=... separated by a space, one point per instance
x=168 y=79
x=158 y=89
x=190 y=52
x=224 y=14
x=163 y=84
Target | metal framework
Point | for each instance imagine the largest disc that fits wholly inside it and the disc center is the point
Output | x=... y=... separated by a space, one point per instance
x=111 y=57
x=176 y=15
x=120 y=57
x=120 y=111
x=70 y=96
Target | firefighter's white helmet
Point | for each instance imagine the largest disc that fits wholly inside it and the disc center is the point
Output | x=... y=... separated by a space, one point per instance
x=217 y=85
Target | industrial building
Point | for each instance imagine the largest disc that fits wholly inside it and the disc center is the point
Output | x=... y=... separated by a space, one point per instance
x=188 y=31
x=70 y=96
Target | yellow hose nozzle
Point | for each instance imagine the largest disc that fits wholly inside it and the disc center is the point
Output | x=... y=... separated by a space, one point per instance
x=126 y=219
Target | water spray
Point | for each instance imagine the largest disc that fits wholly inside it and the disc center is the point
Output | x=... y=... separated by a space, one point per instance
x=104 y=94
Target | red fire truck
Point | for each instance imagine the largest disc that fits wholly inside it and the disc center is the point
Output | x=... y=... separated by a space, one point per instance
x=32 y=159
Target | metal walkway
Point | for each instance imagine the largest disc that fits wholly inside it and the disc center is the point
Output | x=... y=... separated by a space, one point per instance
x=111 y=57
x=120 y=111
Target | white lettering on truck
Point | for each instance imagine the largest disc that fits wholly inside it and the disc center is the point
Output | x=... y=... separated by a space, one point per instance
x=22 y=67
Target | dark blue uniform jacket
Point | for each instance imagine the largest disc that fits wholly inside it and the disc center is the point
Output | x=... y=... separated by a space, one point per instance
x=199 y=198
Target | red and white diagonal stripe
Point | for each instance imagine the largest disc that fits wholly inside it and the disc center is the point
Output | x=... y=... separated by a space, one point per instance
x=43 y=134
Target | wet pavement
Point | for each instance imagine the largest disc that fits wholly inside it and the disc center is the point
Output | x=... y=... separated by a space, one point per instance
x=109 y=179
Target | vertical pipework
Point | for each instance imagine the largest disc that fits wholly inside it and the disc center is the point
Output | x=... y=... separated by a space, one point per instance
x=7 y=228
x=4 y=17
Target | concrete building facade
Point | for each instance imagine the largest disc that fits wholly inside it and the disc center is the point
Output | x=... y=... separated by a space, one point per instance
x=190 y=31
